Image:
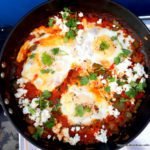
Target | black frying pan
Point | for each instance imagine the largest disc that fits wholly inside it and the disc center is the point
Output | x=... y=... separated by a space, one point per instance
x=16 y=39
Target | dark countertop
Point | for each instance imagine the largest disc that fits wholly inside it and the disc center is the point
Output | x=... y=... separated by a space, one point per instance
x=8 y=135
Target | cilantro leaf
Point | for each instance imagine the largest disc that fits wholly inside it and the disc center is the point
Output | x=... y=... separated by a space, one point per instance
x=131 y=93
x=71 y=34
x=117 y=60
x=72 y=23
x=47 y=59
x=79 y=110
x=32 y=55
x=38 y=133
x=133 y=84
x=120 y=82
x=43 y=103
x=46 y=94
x=49 y=124
x=44 y=71
x=56 y=106
x=87 y=109
x=125 y=52
x=84 y=80
x=31 y=110
x=122 y=100
x=113 y=38
x=107 y=89
x=111 y=79
x=104 y=45
x=93 y=76
x=67 y=10
x=51 y=22
x=55 y=51
x=140 y=87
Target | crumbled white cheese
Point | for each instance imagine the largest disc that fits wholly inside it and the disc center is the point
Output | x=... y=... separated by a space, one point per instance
x=34 y=103
x=24 y=102
x=100 y=77
x=20 y=92
x=72 y=129
x=139 y=69
x=79 y=36
x=49 y=136
x=113 y=111
x=113 y=86
x=77 y=129
x=74 y=140
x=25 y=110
x=142 y=80
x=21 y=81
x=101 y=136
x=126 y=87
x=61 y=25
x=65 y=132
x=123 y=66
x=45 y=115
x=119 y=90
x=104 y=81
x=99 y=21
x=80 y=14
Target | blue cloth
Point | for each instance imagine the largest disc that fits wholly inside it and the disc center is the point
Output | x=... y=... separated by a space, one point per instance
x=12 y=10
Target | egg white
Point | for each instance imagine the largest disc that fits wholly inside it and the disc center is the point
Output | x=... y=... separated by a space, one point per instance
x=77 y=95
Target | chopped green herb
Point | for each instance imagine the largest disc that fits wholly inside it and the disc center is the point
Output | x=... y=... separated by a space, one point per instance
x=93 y=76
x=84 y=80
x=32 y=55
x=113 y=38
x=111 y=79
x=71 y=34
x=46 y=94
x=50 y=103
x=104 y=45
x=43 y=103
x=133 y=84
x=107 y=89
x=67 y=10
x=126 y=52
x=140 y=87
x=49 y=124
x=45 y=71
x=38 y=133
x=122 y=100
x=120 y=82
x=31 y=110
x=55 y=51
x=87 y=109
x=56 y=107
x=79 y=110
x=131 y=93
x=117 y=60
x=72 y=23
x=47 y=59
x=51 y=22
x=65 y=15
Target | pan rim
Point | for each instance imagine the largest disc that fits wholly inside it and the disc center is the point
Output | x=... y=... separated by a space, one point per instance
x=6 y=41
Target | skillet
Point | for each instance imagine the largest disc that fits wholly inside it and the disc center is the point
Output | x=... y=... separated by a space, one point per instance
x=34 y=19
